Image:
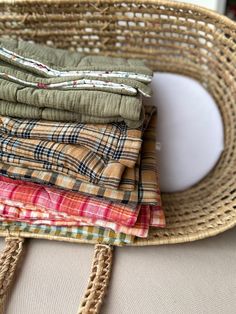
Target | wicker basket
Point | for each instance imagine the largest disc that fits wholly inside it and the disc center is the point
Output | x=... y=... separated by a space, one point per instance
x=172 y=37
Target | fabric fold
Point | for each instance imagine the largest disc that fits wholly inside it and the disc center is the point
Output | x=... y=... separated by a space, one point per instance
x=64 y=60
x=67 y=202
x=112 y=141
x=77 y=146
x=84 y=234
x=147 y=190
x=38 y=82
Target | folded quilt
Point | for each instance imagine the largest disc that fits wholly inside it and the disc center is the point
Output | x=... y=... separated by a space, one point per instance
x=85 y=233
x=70 y=203
x=63 y=61
x=37 y=204
x=114 y=141
x=38 y=82
x=16 y=211
x=77 y=146
x=123 y=86
x=74 y=160
x=31 y=112
x=147 y=191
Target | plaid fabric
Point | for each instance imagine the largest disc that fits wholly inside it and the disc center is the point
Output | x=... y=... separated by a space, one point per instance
x=15 y=211
x=97 y=234
x=157 y=217
x=149 y=176
x=40 y=205
x=112 y=141
x=74 y=160
x=148 y=188
x=66 y=202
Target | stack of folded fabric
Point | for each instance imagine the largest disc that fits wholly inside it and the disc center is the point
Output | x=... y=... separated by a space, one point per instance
x=77 y=145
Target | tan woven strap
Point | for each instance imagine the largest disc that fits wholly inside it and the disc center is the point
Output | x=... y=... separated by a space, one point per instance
x=8 y=263
x=98 y=281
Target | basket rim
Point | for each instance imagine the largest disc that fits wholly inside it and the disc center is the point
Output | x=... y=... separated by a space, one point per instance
x=141 y=242
x=179 y=5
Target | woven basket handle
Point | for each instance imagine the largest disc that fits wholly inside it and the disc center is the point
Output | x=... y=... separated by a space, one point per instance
x=9 y=259
x=98 y=281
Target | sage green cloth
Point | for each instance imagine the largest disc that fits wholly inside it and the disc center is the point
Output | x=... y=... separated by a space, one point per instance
x=67 y=60
x=96 y=109
x=17 y=70
x=26 y=91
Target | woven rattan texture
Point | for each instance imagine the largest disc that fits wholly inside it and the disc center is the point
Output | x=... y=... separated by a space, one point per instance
x=171 y=37
x=98 y=281
x=9 y=260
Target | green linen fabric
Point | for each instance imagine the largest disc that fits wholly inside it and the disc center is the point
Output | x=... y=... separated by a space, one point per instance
x=92 y=106
x=26 y=91
x=17 y=70
x=67 y=60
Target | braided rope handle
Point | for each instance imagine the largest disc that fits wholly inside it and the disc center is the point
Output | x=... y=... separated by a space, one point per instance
x=9 y=259
x=98 y=281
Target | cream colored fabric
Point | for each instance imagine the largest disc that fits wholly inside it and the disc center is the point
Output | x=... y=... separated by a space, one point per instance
x=195 y=278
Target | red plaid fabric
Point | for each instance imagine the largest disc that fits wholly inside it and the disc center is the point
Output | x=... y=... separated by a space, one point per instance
x=36 y=204
x=157 y=216
x=71 y=203
x=15 y=211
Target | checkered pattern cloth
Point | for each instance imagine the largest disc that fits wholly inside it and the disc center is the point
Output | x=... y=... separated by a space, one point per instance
x=36 y=204
x=113 y=141
x=66 y=202
x=147 y=191
x=13 y=211
x=74 y=160
x=90 y=233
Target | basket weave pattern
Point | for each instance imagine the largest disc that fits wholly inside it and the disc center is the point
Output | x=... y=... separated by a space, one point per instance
x=171 y=37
